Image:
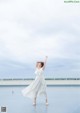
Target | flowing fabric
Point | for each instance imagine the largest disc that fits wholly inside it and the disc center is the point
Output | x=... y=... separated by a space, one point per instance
x=37 y=87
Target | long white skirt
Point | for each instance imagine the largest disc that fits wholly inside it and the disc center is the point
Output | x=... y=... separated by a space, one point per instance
x=36 y=88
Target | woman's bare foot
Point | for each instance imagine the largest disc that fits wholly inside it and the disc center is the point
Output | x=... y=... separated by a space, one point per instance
x=34 y=104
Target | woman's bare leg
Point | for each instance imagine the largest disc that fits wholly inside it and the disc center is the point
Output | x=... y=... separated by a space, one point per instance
x=34 y=102
x=46 y=99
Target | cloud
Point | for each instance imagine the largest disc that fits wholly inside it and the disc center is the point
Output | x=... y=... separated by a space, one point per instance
x=29 y=30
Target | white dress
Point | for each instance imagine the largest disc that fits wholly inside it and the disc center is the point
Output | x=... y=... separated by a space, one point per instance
x=37 y=87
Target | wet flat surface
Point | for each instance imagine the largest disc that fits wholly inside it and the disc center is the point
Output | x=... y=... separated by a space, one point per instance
x=62 y=99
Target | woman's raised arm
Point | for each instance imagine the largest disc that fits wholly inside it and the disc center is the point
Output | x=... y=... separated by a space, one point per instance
x=45 y=62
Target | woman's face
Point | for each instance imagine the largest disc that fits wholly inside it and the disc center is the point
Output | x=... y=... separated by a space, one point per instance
x=39 y=65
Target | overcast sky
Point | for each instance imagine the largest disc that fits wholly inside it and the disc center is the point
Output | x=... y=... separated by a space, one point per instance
x=32 y=29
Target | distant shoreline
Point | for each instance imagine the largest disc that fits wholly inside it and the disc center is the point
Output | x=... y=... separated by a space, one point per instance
x=49 y=81
x=45 y=78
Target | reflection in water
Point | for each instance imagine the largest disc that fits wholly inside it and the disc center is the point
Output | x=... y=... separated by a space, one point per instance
x=40 y=109
x=77 y=109
x=62 y=99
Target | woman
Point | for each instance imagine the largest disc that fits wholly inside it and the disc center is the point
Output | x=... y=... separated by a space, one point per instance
x=38 y=86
